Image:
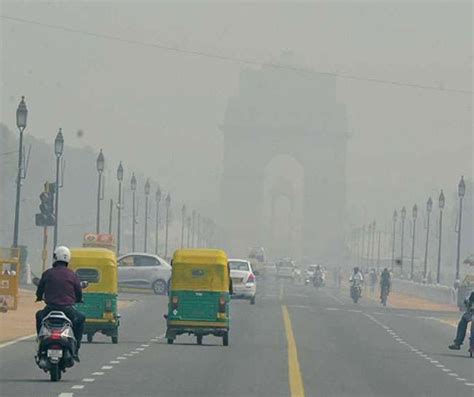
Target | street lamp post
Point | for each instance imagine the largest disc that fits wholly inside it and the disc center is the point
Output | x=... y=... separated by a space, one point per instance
x=372 y=255
x=403 y=215
x=188 y=226
x=147 y=194
x=133 y=186
x=58 y=151
x=183 y=220
x=119 y=205
x=362 y=247
x=21 y=118
x=167 y=202
x=193 y=230
x=394 y=217
x=461 y=193
x=100 y=169
x=429 y=207
x=198 y=242
x=157 y=217
x=415 y=215
x=441 y=202
x=369 y=239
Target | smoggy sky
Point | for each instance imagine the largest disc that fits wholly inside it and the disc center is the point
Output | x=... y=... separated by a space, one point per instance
x=159 y=110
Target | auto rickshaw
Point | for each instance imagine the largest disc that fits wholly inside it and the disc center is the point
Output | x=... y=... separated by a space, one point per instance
x=98 y=266
x=199 y=295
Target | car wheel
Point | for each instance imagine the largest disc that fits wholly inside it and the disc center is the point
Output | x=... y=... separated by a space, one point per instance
x=170 y=341
x=159 y=287
x=252 y=300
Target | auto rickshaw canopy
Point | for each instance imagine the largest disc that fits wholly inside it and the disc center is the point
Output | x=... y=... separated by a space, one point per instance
x=200 y=270
x=97 y=266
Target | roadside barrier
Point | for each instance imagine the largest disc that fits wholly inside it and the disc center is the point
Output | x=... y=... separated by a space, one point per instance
x=435 y=293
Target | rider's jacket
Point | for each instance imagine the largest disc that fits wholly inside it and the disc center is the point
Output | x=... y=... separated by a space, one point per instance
x=356 y=277
x=59 y=286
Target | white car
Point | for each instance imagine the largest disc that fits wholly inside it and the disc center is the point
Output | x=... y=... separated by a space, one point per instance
x=244 y=284
x=144 y=271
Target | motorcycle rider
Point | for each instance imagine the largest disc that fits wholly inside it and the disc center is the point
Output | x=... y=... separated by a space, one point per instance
x=462 y=325
x=385 y=282
x=318 y=275
x=60 y=288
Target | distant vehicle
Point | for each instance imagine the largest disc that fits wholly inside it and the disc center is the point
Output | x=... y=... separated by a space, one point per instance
x=144 y=271
x=244 y=284
x=285 y=269
x=257 y=259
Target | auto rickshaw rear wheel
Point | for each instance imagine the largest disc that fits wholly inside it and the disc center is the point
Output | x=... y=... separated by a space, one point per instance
x=90 y=338
x=199 y=339
x=170 y=341
x=115 y=339
x=225 y=339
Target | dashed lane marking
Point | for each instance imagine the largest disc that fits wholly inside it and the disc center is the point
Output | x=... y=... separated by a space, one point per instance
x=107 y=367
x=115 y=362
x=97 y=373
x=88 y=380
x=121 y=358
x=145 y=345
x=332 y=308
x=78 y=387
x=65 y=394
x=419 y=352
x=140 y=349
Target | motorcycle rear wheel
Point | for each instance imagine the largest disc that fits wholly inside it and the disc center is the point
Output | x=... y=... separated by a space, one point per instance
x=55 y=373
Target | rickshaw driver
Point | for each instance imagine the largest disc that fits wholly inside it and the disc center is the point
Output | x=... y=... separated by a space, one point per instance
x=61 y=289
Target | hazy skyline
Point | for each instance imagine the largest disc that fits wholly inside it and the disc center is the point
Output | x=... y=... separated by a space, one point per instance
x=160 y=111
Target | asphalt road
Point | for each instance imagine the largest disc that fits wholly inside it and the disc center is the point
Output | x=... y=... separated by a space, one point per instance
x=294 y=341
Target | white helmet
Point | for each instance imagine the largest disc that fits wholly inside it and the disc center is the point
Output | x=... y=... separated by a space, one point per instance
x=62 y=254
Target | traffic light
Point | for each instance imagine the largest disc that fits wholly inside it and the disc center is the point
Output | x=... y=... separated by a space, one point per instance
x=46 y=216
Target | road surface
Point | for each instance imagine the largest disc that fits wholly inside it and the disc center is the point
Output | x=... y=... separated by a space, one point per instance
x=295 y=341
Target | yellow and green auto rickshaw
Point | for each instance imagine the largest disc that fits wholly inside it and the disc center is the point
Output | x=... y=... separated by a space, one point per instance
x=98 y=266
x=199 y=295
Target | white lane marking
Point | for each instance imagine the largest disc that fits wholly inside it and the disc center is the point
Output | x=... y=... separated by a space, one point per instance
x=12 y=342
x=445 y=370
x=115 y=362
x=134 y=352
x=453 y=374
x=107 y=367
x=65 y=394
x=354 y=311
x=78 y=387
x=145 y=345
x=461 y=379
x=97 y=373
x=128 y=355
x=469 y=384
x=434 y=362
x=88 y=380
x=440 y=365
x=140 y=349
x=332 y=308
x=121 y=358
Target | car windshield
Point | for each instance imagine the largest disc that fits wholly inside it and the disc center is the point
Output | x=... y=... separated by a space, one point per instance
x=237 y=265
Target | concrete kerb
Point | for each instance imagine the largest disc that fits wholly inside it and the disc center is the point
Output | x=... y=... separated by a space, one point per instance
x=435 y=293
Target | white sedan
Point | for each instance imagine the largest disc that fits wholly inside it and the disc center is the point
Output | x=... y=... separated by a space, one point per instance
x=244 y=284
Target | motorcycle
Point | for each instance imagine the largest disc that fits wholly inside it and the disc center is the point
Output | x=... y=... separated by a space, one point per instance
x=56 y=345
x=56 y=342
x=356 y=290
x=318 y=281
x=384 y=295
